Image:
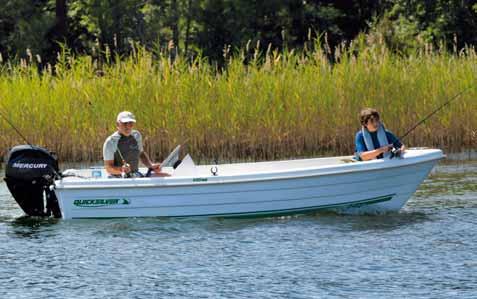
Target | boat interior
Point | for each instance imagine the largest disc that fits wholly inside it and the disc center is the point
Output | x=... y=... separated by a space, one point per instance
x=189 y=168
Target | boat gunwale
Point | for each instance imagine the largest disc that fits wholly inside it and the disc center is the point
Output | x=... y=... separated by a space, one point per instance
x=159 y=182
x=381 y=178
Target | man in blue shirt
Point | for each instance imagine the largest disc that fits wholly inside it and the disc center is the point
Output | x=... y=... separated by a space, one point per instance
x=373 y=141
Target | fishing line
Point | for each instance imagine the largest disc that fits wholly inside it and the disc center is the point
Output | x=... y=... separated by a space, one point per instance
x=433 y=112
x=12 y=125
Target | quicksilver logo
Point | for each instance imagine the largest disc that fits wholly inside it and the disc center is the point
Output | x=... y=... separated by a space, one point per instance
x=29 y=165
x=93 y=203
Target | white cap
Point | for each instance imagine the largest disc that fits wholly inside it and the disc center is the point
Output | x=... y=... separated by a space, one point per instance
x=125 y=117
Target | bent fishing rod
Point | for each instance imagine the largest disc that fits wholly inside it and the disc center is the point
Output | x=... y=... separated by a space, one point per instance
x=433 y=112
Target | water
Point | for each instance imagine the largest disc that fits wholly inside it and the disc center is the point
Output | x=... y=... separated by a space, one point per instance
x=428 y=250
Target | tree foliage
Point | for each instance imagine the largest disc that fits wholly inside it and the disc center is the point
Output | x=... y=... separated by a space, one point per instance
x=210 y=26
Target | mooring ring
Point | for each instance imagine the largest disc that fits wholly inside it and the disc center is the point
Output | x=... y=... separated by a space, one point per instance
x=214 y=170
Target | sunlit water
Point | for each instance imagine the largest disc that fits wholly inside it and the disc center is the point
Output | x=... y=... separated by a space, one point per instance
x=427 y=250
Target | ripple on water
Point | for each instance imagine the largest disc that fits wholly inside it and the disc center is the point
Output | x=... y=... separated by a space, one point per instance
x=426 y=250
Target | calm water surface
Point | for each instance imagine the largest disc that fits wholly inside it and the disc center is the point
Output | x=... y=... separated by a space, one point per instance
x=428 y=250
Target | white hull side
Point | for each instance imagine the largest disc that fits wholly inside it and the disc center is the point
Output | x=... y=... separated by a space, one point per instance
x=378 y=190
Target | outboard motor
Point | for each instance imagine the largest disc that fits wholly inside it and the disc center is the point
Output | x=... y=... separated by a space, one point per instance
x=29 y=173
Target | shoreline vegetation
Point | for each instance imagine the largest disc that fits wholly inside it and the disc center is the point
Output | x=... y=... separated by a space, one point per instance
x=264 y=104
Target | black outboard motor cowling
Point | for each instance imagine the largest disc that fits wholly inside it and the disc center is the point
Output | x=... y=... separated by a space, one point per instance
x=30 y=171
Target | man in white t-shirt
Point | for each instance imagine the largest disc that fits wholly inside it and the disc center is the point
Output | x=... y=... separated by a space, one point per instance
x=123 y=149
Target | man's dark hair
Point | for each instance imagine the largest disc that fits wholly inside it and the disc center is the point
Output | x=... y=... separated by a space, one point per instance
x=368 y=113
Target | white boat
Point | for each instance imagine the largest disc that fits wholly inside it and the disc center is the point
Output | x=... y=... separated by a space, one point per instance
x=249 y=189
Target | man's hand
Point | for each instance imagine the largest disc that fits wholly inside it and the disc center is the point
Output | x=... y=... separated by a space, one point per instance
x=126 y=168
x=156 y=167
x=386 y=148
x=157 y=171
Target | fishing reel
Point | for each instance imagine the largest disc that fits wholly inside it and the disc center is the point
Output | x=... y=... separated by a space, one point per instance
x=396 y=153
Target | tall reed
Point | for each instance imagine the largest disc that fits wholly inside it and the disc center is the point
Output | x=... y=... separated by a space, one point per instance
x=276 y=105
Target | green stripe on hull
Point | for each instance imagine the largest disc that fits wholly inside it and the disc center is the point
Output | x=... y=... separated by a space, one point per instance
x=285 y=212
x=289 y=212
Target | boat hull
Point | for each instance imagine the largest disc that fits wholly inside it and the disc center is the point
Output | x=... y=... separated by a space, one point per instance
x=354 y=190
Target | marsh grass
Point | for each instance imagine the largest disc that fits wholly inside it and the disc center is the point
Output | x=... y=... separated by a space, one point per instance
x=280 y=104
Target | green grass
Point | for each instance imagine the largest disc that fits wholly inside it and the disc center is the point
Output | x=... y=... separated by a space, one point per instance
x=284 y=104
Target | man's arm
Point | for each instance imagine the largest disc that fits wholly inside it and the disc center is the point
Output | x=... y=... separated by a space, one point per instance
x=370 y=155
x=362 y=151
x=116 y=170
x=156 y=167
x=109 y=148
x=148 y=163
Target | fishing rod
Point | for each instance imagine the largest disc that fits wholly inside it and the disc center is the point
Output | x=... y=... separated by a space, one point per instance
x=12 y=125
x=125 y=164
x=432 y=113
x=397 y=152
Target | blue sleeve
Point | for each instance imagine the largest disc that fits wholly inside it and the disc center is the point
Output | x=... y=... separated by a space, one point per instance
x=393 y=139
x=359 y=144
